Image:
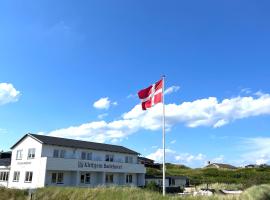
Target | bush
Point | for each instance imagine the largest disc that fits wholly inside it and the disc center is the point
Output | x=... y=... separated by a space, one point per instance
x=152 y=186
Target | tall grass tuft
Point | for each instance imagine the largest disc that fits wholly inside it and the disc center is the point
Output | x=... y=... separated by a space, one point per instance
x=261 y=192
x=12 y=194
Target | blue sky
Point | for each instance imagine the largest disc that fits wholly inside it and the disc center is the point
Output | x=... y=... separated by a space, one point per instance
x=58 y=58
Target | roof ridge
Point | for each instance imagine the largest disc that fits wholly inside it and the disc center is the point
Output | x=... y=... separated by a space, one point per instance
x=74 y=139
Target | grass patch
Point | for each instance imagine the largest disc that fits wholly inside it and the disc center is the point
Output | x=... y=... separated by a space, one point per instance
x=12 y=194
x=261 y=192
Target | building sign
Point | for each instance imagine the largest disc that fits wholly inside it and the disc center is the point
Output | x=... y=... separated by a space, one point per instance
x=93 y=165
x=23 y=163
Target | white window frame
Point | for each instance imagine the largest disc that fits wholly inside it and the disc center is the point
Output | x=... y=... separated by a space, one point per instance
x=16 y=176
x=4 y=176
x=62 y=153
x=84 y=176
x=109 y=178
x=60 y=181
x=89 y=156
x=129 y=178
x=59 y=178
x=28 y=177
x=56 y=153
x=19 y=152
x=128 y=159
x=83 y=157
x=109 y=158
x=31 y=153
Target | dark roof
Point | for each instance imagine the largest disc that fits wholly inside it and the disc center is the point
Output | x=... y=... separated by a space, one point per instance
x=5 y=154
x=49 y=140
x=145 y=159
x=225 y=166
x=5 y=162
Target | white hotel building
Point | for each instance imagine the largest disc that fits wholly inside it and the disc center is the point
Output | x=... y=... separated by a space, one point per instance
x=39 y=161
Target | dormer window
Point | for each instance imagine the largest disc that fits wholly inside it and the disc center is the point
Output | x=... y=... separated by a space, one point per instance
x=31 y=153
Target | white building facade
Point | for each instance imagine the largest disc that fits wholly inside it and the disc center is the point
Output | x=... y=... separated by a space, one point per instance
x=39 y=161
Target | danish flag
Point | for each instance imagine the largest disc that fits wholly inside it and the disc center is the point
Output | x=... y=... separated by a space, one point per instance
x=152 y=95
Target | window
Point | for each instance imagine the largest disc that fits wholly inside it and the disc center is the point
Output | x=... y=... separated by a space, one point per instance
x=19 y=154
x=4 y=176
x=89 y=156
x=16 y=176
x=82 y=178
x=58 y=178
x=28 y=177
x=55 y=153
x=54 y=177
x=85 y=178
x=109 y=158
x=109 y=178
x=62 y=153
x=83 y=155
x=129 y=159
x=173 y=181
x=129 y=178
x=31 y=153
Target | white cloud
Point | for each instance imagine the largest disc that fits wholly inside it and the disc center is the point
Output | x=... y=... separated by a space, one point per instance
x=171 y=89
x=173 y=142
x=179 y=158
x=191 y=160
x=102 y=116
x=132 y=96
x=203 y=112
x=219 y=159
x=8 y=93
x=256 y=150
x=104 y=103
x=246 y=91
x=114 y=103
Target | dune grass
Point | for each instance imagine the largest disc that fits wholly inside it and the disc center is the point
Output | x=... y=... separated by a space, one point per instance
x=261 y=192
x=12 y=194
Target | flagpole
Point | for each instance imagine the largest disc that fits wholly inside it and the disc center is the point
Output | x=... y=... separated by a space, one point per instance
x=163 y=135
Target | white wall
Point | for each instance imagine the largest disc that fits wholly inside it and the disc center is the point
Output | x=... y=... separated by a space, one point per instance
x=157 y=181
x=4 y=169
x=36 y=165
x=180 y=182
x=75 y=153
x=44 y=164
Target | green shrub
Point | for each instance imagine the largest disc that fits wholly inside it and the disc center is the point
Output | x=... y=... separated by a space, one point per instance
x=152 y=186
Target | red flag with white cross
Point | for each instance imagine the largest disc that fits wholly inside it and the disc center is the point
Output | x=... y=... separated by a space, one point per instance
x=151 y=95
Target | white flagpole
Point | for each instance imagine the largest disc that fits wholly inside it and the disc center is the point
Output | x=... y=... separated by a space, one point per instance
x=163 y=134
